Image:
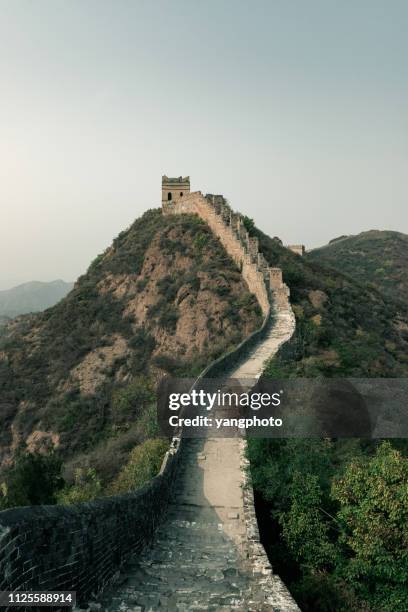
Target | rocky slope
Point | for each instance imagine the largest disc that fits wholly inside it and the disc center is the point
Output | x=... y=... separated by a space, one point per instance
x=80 y=377
x=32 y=297
x=374 y=258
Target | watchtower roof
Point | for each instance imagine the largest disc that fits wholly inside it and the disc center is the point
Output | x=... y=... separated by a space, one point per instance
x=175 y=180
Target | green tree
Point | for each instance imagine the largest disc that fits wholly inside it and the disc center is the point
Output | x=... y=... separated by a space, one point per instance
x=133 y=399
x=249 y=224
x=87 y=486
x=275 y=464
x=35 y=479
x=374 y=515
x=143 y=464
x=305 y=527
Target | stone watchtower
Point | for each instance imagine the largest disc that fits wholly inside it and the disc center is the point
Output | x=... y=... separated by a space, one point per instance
x=174 y=188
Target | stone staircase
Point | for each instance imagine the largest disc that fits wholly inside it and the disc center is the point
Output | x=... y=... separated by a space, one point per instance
x=281 y=331
x=201 y=557
x=207 y=554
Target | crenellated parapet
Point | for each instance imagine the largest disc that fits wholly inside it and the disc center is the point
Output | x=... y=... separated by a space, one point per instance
x=265 y=282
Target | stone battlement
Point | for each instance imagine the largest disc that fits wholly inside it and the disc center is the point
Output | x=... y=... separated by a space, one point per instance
x=263 y=281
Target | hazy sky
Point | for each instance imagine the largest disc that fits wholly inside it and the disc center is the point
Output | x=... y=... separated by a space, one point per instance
x=295 y=110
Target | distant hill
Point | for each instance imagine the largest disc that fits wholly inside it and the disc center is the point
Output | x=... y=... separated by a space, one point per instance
x=375 y=258
x=344 y=328
x=32 y=297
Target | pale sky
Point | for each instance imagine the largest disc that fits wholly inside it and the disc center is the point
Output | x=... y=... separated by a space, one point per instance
x=295 y=110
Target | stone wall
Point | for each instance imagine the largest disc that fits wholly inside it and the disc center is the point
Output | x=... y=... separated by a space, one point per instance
x=228 y=226
x=81 y=547
x=267 y=285
x=261 y=566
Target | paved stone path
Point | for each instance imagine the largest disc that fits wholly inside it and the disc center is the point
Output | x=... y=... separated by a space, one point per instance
x=281 y=331
x=200 y=558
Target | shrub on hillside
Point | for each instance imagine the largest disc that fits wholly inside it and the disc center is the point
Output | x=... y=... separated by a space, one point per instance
x=249 y=225
x=35 y=479
x=133 y=399
x=142 y=344
x=87 y=487
x=143 y=464
x=169 y=363
x=168 y=318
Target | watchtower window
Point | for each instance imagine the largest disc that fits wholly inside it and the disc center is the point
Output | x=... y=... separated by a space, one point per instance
x=181 y=194
x=169 y=196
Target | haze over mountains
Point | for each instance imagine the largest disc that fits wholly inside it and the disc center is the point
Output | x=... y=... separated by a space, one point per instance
x=375 y=258
x=31 y=297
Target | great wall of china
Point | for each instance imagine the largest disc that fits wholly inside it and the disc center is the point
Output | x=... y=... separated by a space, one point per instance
x=243 y=249
x=204 y=552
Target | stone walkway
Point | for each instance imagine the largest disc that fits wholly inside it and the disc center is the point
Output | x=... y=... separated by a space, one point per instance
x=279 y=333
x=200 y=559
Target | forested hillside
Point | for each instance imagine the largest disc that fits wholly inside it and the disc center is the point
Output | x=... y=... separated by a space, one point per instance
x=342 y=328
x=334 y=512
x=375 y=259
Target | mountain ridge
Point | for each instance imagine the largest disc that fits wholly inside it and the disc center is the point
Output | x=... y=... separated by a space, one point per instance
x=376 y=258
x=33 y=296
x=372 y=231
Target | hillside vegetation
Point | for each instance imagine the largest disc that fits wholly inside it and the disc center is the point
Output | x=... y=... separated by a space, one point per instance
x=375 y=259
x=32 y=297
x=80 y=377
x=334 y=513
x=342 y=328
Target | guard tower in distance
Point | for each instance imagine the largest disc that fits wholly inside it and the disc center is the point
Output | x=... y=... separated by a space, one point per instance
x=174 y=189
x=299 y=249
